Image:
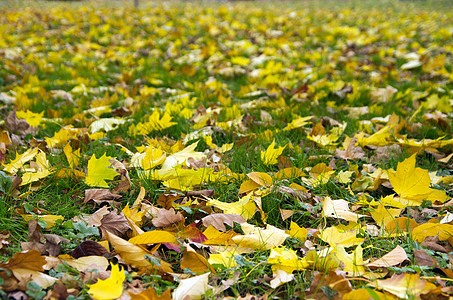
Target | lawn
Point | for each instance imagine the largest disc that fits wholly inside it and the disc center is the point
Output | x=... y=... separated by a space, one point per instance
x=225 y=150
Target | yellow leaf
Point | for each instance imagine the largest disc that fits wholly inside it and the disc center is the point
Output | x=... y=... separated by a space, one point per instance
x=41 y=169
x=154 y=123
x=297 y=232
x=353 y=262
x=382 y=216
x=297 y=123
x=182 y=156
x=363 y=294
x=260 y=178
x=49 y=219
x=73 y=157
x=135 y=255
x=216 y=237
x=258 y=238
x=134 y=214
x=412 y=184
x=282 y=258
x=288 y=173
x=269 y=157
x=248 y=186
x=153 y=237
x=153 y=157
x=338 y=209
x=405 y=286
x=224 y=258
x=20 y=160
x=98 y=171
x=195 y=262
x=33 y=119
x=333 y=237
x=445 y=231
x=245 y=207
x=110 y=288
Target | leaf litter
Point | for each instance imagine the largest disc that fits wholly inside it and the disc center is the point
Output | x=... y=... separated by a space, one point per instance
x=226 y=152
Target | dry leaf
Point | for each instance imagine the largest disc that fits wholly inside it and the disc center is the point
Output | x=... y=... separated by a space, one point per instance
x=393 y=258
x=218 y=221
x=167 y=217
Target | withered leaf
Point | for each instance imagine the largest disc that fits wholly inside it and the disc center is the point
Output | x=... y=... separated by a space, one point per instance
x=329 y=286
x=16 y=125
x=218 y=221
x=352 y=152
x=423 y=258
x=167 y=217
x=114 y=223
x=166 y=200
x=100 y=194
x=89 y=248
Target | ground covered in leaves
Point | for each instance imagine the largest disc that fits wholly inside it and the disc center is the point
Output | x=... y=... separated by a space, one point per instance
x=226 y=150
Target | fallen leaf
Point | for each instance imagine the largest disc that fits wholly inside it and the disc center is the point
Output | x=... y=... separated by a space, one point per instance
x=412 y=184
x=153 y=237
x=167 y=217
x=218 y=221
x=393 y=258
x=98 y=171
x=192 y=288
x=89 y=248
x=110 y=288
x=404 y=285
x=195 y=262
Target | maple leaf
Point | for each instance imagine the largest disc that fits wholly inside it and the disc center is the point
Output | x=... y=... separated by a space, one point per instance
x=99 y=171
x=269 y=157
x=110 y=288
x=412 y=184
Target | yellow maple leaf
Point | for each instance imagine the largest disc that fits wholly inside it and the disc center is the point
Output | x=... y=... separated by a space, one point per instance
x=297 y=123
x=73 y=156
x=20 y=160
x=33 y=119
x=353 y=262
x=98 y=171
x=412 y=184
x=295 y=231
x=110 y=288
x=153 y=157
x=269 y=157
x=40 y=169
x=155 y=122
